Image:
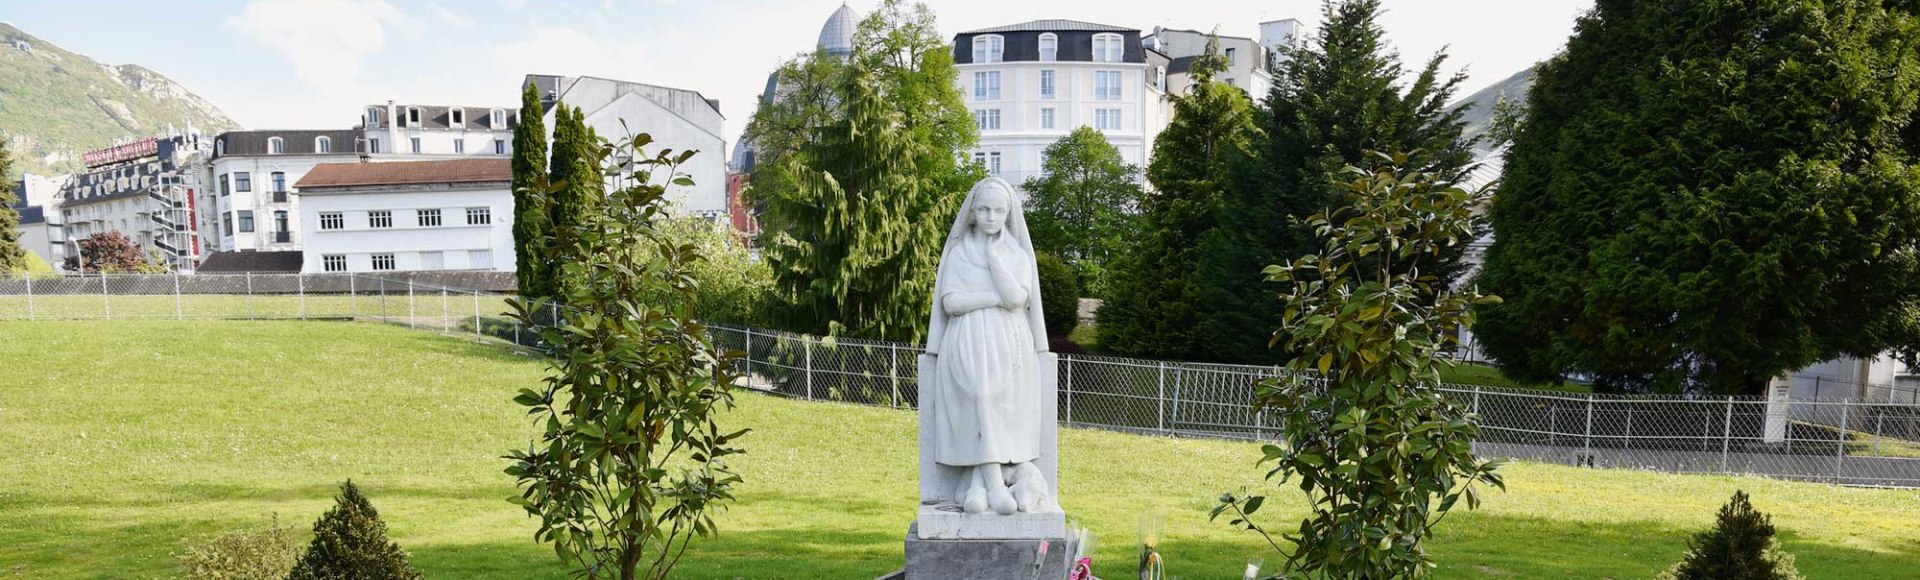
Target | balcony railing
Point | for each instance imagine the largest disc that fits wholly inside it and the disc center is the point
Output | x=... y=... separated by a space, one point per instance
x=279 y=197
x=282 y=237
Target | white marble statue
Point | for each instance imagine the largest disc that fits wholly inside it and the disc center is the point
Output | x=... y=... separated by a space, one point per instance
x=988 y=418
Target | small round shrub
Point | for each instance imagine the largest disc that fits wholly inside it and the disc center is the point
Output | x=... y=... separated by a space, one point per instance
x=1059 y=294
x=263 y=554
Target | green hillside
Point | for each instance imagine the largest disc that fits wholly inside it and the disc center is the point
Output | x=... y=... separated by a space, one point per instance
x=56 y=104
x=1513 y=88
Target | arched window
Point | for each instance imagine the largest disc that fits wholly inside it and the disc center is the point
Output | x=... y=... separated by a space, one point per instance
x=988 y=48
x=1108 y=48
x=1049 y=47
x=276 y=146
x=323 y=144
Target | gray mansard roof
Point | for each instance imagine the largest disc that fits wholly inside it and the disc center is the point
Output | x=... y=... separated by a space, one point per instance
x=298 y=142
x=439 y=116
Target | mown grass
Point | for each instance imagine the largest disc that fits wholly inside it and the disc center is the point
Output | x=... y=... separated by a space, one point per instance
x=125 y=437
x=424 y=307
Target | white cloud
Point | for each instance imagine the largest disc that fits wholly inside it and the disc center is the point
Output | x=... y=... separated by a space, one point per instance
x=567 y=51
x=448 y=17
x=327 y=41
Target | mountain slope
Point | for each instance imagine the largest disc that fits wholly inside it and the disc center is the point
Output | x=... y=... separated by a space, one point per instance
x=56 y=104
x=1513 y=88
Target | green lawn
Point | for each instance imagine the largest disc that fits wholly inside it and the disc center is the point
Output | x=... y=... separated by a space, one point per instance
x=126 y=436
x=423 y=307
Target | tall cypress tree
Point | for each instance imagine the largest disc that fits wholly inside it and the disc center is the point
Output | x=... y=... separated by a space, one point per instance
x=856 y=156
x=1334 y=100
x=13 y=257
x=579 y=186
x=530 y=220
x=1708 y=193
x=1150 y=310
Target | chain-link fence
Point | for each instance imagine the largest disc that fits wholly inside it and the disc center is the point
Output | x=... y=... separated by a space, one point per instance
x=1832 y=440
x=1852 y=443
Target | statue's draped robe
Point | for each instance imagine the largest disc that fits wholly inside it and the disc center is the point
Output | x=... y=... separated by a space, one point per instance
x=988 y=409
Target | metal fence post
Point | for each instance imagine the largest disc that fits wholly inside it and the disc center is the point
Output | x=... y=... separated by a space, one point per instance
x=1476 y=399
x=446 y=314
x=748 y=349
x=30 y=315
x=249 y=276
x=1162 y=399
x=1840 y=446
x=893 y=372
x=1069 y=388
x=383 y=300
x=300 y=280
x=807 y=343
x=1726 y=436
x=178 y=312
x=477 y=334
x=353 y=299
x=410 y=317
x=106 y=304
x=1587 y=445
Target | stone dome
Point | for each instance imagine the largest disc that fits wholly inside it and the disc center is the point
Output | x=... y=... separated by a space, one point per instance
x=836 y=36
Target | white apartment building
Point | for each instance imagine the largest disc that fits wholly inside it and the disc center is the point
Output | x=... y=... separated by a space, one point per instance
x=678 y=119
x=1030 y=84
x=143 y=189
x=251 y=176
x=438 y=131
x=1250 y=64
x=407 y=216
x=38 y=203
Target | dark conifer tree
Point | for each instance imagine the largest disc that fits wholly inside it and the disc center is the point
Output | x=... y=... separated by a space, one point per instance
x=1705 y=194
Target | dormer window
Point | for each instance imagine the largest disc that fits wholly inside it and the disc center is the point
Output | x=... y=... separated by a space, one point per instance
x=989 y=48
x=276 y=146
x=413 y=116
x=323 y=144
x=373 y=117
x=219 y=147
x=456 y=118
x=1108 y=48
x=1049 y=47
x=497 y=119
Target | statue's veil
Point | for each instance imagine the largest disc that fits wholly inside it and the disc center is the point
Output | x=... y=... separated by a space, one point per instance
x=1016 y=227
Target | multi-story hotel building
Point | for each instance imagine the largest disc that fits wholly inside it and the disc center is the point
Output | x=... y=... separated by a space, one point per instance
x=251 y=176
x=1030 y=84
x=145 y=190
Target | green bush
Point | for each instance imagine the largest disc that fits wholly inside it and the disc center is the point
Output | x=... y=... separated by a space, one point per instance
x=263 y=554
x=1739 y=547
x=350 y=542
x=1059 y=294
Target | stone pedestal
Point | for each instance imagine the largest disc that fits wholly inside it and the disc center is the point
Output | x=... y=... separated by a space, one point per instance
x=948 y=522
x=996 y=559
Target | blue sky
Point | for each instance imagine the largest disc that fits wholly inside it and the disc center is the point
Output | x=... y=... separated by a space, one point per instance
x=313 y=63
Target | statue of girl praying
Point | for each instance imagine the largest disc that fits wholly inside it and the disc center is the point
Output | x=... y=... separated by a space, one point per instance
x=986 y=337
